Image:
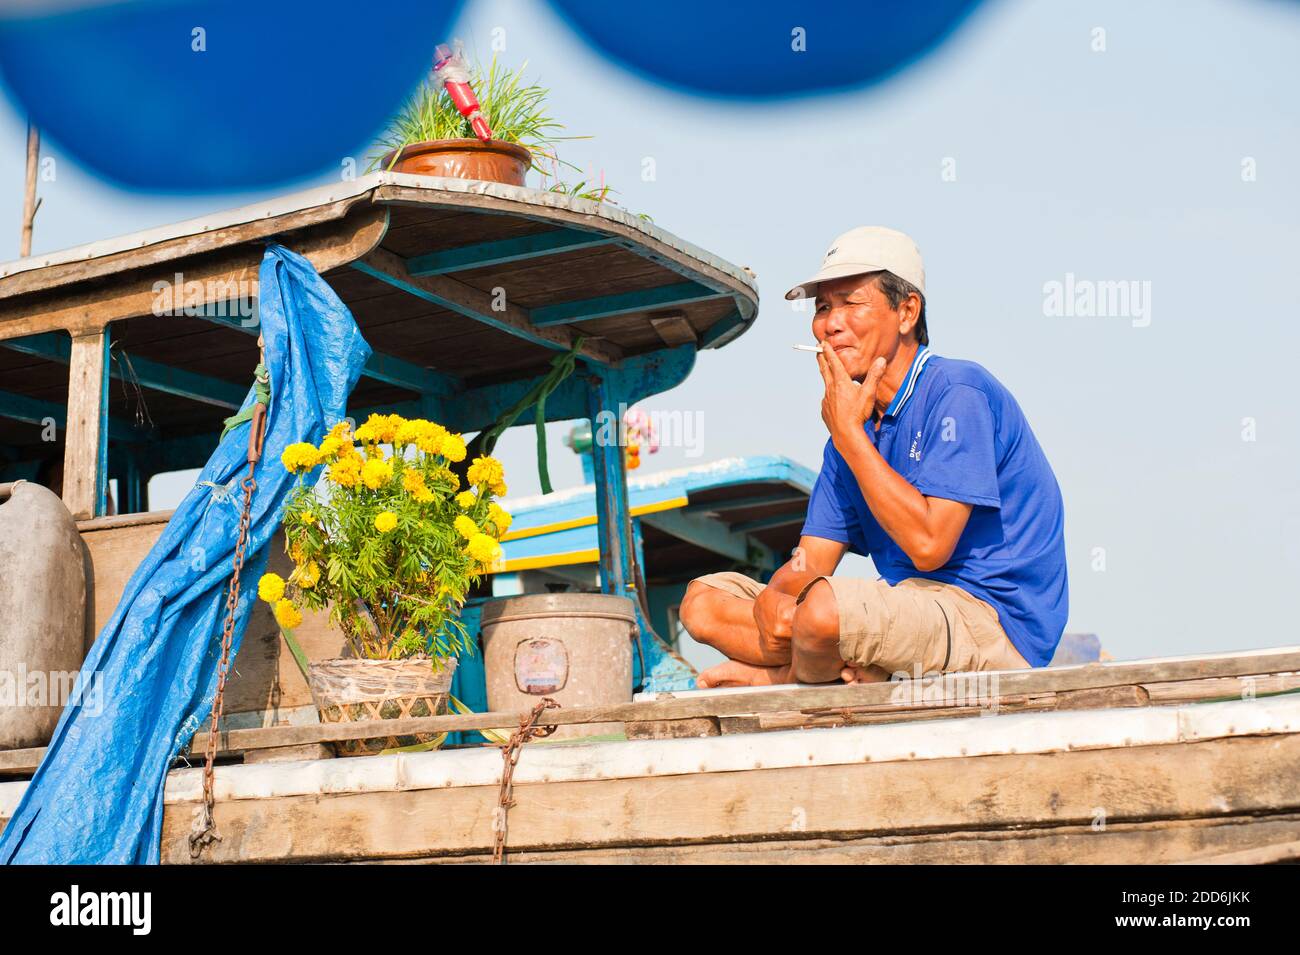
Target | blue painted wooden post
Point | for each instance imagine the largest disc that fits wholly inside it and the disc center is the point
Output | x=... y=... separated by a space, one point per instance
x=131 y=487
x=613 y=524
x=101 y=465
x=469 y=681
x=663 y=669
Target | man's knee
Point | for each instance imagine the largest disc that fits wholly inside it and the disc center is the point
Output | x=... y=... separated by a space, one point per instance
x=818 y=615
x=693 y=611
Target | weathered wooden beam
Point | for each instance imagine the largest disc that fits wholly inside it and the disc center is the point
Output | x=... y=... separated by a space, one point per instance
x=1241 y=777
x=86 y=441
x=673 y=329
x=504 y=251
x=1009 y=683
x=699 y=714
x=1241 y=840
x=389 y=369
x=55 y=346
x=623 y=303
x=709 y=535
x=37 y=411
x=480 y=306
x=724 y=330
x=744 y=503
x=766 y=523
x=317 y=232
x=58 y=297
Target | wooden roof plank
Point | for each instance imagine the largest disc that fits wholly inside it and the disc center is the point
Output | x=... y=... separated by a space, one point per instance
x=37 y=411
x=624 y=303
x=504 y=251
x=149 y=374
x=472 y=303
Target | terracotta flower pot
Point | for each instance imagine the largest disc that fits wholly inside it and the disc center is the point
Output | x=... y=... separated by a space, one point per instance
x=494 y=160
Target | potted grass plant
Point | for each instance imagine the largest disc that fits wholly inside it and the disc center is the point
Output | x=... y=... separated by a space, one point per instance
x=430 y=136
x=389 y=543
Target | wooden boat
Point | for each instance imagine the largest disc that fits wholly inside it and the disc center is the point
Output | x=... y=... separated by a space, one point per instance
x=1160 y=760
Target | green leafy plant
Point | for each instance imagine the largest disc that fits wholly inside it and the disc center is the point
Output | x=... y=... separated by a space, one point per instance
x=388 y=542
x=515 y=109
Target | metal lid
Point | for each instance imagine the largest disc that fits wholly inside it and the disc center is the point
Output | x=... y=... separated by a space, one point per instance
x=531 y=606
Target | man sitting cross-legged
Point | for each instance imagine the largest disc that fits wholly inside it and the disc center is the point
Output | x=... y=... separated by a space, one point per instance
x=932 y=470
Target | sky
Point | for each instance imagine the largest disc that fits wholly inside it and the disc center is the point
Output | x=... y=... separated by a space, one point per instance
x=1154 y=145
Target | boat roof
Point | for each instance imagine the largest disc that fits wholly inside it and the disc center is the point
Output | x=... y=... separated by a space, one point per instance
x=456 y=284
x=744 y=510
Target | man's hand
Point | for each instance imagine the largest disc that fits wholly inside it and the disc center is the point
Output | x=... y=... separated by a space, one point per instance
x=847 y=405
x=774 y=617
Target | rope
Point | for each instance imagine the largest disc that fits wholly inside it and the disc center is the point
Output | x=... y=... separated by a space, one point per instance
x=528 y=730
x=261 y=396
x=561 y=367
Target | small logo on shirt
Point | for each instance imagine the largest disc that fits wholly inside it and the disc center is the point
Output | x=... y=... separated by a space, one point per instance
x=915 y=453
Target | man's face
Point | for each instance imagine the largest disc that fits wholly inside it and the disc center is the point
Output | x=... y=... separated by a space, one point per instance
x=854 y=317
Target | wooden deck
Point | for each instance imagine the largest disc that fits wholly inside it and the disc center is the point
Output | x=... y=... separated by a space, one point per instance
x=1158 y=761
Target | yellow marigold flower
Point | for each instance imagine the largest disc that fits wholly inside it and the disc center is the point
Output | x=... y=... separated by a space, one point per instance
x=485 y=471
x=412 y=480
x=499 y=489
x=306 y=575
x=410 y=432
x=378 y=428
x=346 y=472
x=423 y=495
x=466 y=499
x=385 y=521
x=429 y=440
x=300 y=457
x=287 y=615
x=452 y=447
x=307 y=517
x=483 y=549
x=330 y=447
x=376 y=472
x=465 y=526
x=270 y=588
x=341 y=430
x=500 y=517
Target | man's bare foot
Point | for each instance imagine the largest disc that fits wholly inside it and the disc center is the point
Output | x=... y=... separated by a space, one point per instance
x=735 y=673
x=857 y=674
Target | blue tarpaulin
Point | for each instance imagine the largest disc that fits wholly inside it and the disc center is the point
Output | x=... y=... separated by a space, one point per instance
x=98 y=794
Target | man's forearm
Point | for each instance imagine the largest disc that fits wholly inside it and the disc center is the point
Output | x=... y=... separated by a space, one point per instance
x=901 y=510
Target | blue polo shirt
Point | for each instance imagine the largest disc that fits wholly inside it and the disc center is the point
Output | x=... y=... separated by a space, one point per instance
x=953 y=431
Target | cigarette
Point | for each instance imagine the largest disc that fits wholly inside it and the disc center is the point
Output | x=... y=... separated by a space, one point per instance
x=816 y=348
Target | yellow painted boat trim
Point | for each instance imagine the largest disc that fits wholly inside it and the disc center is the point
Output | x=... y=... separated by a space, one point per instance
x=548 y=560
x=670 y=504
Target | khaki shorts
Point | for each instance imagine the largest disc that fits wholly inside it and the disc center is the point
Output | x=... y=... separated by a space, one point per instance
x=919 y=622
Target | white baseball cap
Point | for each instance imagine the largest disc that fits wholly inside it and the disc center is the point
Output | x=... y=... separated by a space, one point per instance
x=868 y=248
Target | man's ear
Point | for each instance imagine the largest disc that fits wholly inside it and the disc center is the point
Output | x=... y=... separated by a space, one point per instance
x=909 y=313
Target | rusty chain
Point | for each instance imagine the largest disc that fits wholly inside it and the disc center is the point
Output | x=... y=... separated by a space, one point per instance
x=206 y=828
x=528 y=730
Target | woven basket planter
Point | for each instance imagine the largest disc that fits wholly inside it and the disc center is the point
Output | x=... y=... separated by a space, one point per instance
x=350 y=691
